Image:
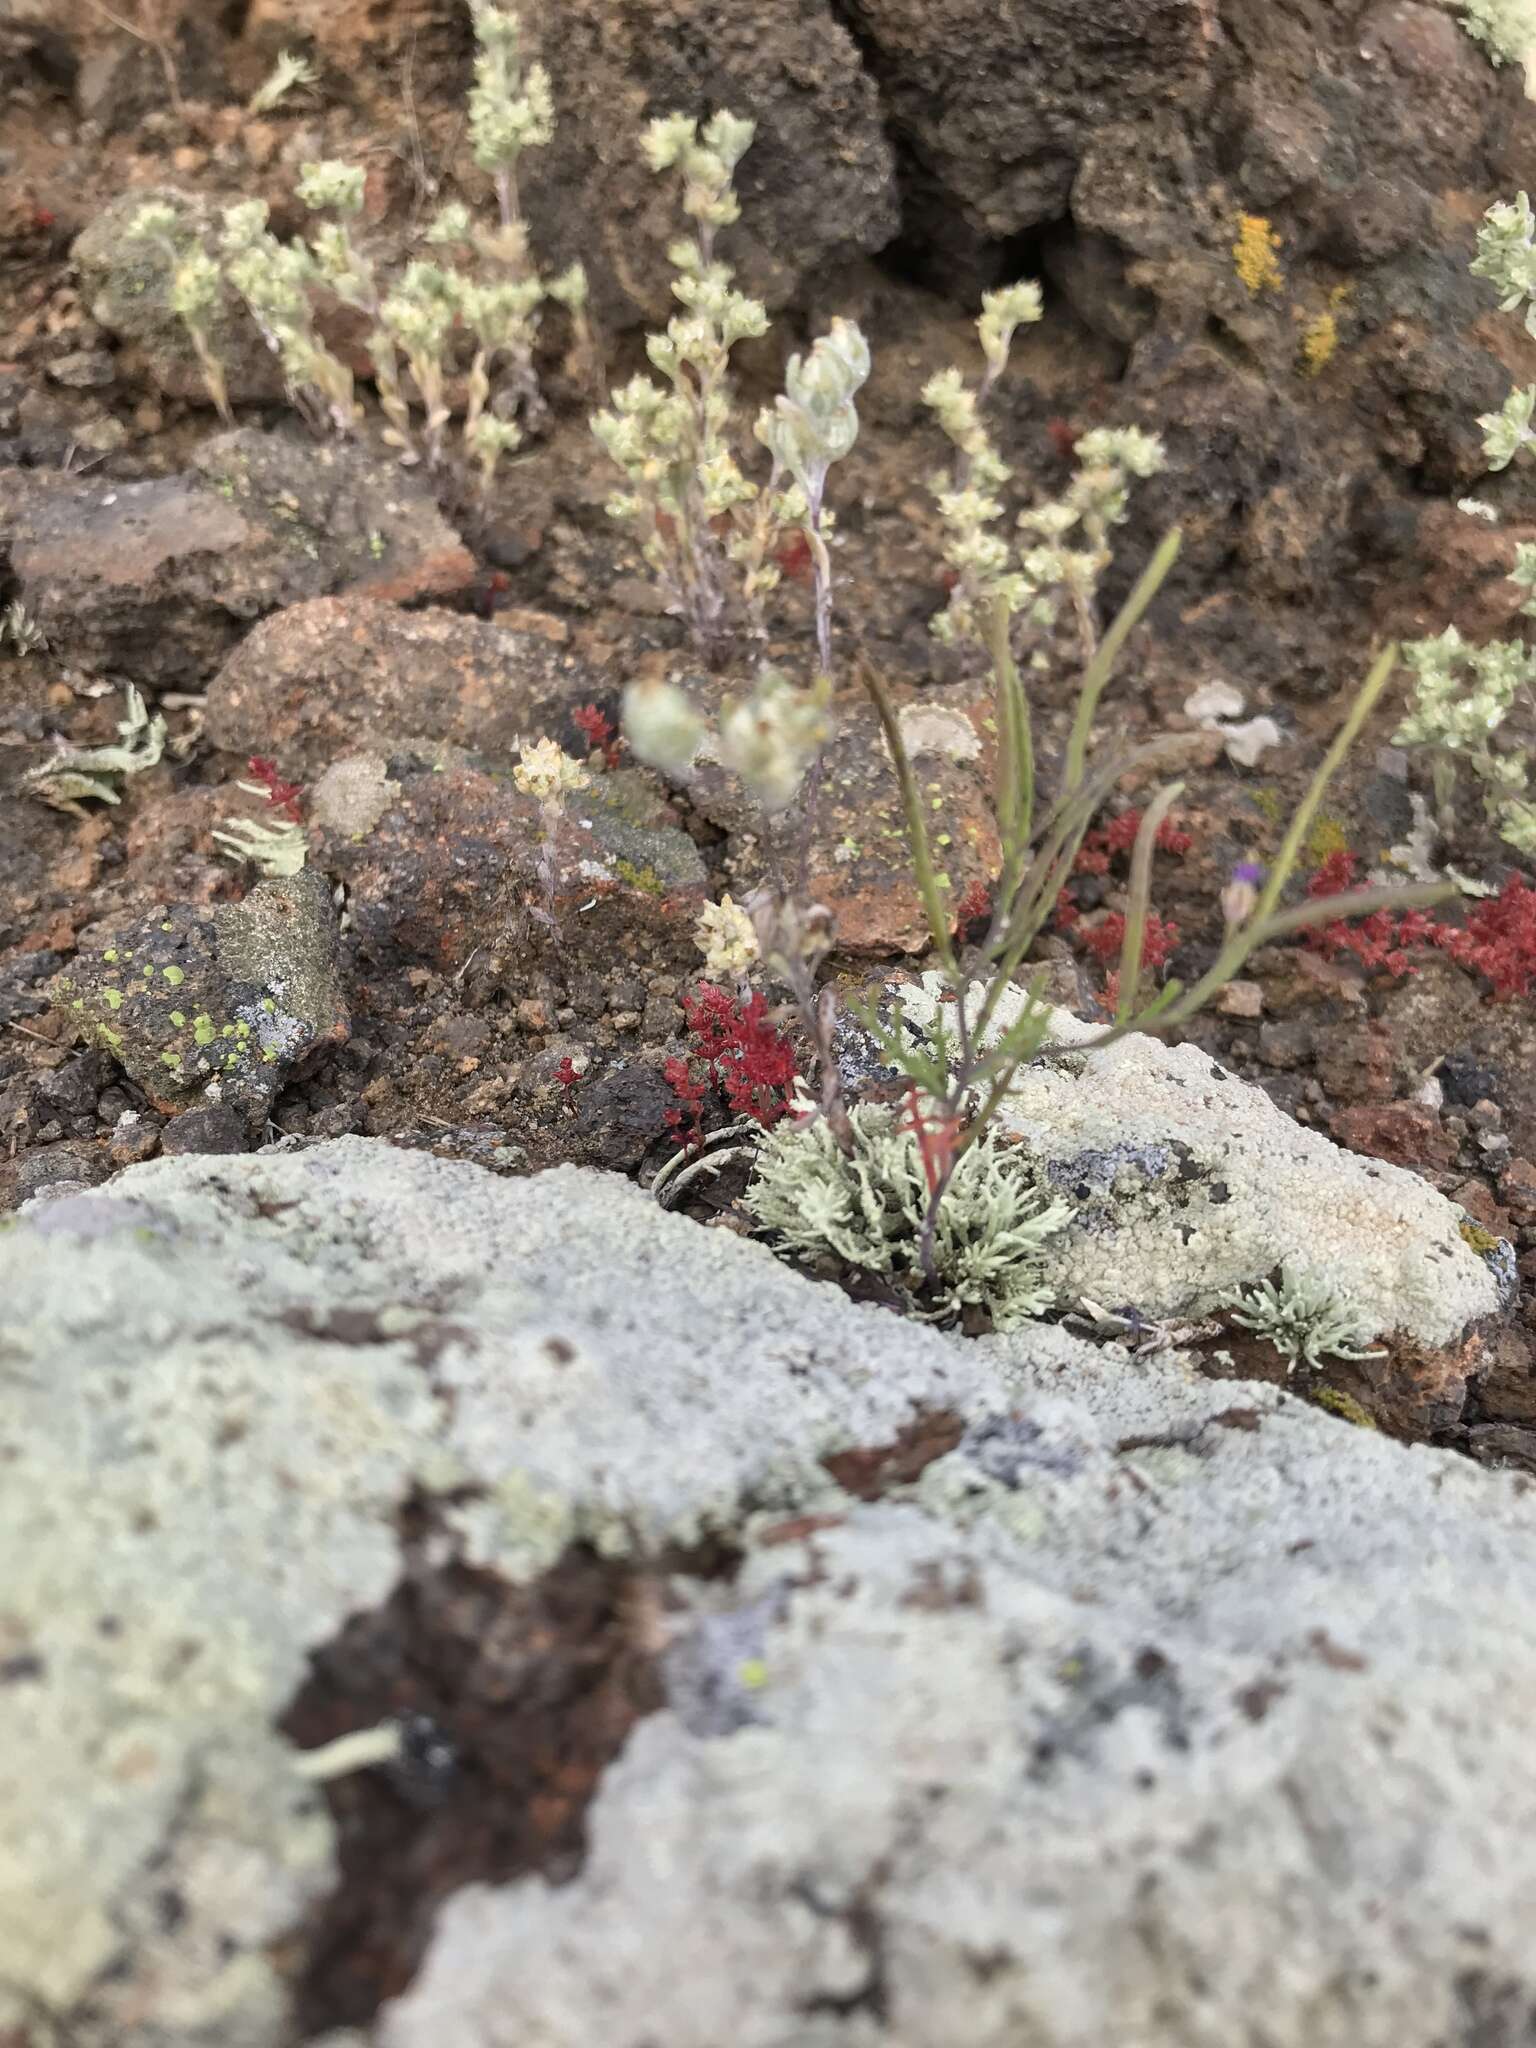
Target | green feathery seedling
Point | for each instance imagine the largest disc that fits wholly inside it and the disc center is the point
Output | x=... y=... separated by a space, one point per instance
x=1302 y=1320
x=1463 y=694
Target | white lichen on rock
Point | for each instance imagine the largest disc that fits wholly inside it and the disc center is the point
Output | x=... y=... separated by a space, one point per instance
x=1088 y=1699
x=1189 y=1184
x=1086 y=1770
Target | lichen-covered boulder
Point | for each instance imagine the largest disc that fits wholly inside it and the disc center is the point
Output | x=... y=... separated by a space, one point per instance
x=217 y=1004
x=764 y=1668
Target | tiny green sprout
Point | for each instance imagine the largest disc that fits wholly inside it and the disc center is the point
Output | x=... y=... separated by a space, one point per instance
x=290 y=72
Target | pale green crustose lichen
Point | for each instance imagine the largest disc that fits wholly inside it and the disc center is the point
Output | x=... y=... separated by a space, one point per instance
x=869 y=1207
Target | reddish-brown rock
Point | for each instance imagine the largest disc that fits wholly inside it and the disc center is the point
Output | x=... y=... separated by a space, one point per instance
x=1406 y=1133
x=159 y=579
x=325 y=679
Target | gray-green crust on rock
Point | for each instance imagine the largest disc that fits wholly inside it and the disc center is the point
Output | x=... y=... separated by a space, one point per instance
x=1136 y=1708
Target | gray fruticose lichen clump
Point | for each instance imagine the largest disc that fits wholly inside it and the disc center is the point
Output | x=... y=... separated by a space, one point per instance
x=1303 y=1319
x=868 y=1207
x=74 y=775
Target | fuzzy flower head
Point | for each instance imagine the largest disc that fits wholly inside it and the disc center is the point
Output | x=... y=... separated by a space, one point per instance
x=511 y=108
x=547 y=772
x=662 y=727
x=195 y=287
x=154 y=221
x=1015 y=305
x=726 y=937
x=332 y=187
x=813 y=423
x=772 y=738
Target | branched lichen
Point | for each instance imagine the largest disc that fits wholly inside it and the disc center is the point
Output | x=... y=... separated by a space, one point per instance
x=19 y=627
x=868 y=1207
x=1505 y=28
x=1302 y=1319
x=77 y=774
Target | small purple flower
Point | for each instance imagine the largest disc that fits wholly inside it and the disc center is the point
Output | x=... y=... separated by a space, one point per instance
x=1241 y=895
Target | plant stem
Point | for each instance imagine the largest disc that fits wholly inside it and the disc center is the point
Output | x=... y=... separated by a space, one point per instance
x=935 y=909
x=1102 y=667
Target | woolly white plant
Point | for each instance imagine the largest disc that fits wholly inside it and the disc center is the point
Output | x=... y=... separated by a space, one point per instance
x=485 y=287
x=693 y=508
x=1505 y=28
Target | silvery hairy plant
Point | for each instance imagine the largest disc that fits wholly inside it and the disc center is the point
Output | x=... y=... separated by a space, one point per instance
x=1463 y=693
x=479 y=285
